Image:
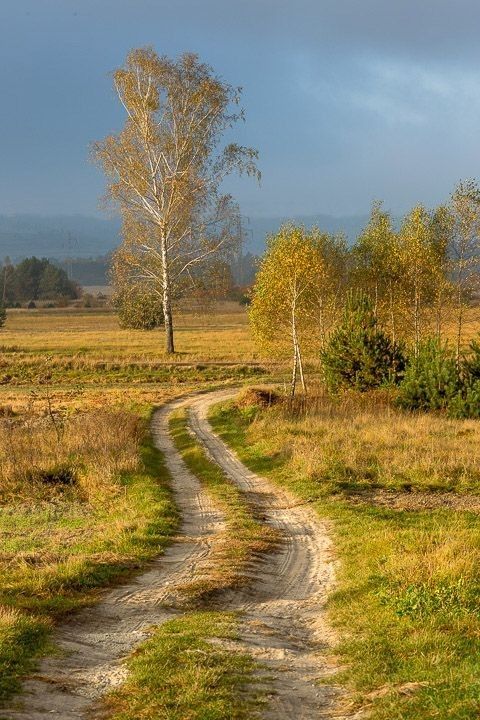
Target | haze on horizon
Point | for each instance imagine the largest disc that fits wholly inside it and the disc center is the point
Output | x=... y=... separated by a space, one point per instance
x=345 y=101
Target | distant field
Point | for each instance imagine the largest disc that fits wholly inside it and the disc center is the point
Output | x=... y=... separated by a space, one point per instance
x=222 y=335
x=83 y=357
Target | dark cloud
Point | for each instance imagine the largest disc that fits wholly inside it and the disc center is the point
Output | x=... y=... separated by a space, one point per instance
x=347 y=100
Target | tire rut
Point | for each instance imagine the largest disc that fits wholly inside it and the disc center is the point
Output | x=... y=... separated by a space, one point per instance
x=282 y=607
x=92 y=644
x=284 y=622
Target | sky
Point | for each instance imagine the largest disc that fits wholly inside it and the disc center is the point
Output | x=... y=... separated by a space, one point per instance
x=347 y=101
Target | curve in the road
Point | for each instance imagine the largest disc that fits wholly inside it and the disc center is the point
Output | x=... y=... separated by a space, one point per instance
x=92 y=644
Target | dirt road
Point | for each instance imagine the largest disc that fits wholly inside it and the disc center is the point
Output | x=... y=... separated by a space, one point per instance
x=283 y=621
x=283 y=610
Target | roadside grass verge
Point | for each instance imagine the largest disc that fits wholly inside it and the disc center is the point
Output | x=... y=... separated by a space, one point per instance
x=245 y=537
x=78 y=512
x=407 y=603
x=186 y=672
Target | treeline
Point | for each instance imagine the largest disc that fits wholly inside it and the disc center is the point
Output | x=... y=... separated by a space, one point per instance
x=415 y=283
x=34 y=279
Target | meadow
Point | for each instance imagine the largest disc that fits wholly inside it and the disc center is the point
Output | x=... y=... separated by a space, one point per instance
x=84 y=495
x=85 y=502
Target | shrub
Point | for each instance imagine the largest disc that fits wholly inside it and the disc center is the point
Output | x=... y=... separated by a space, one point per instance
x=466 y=403
x=138 y=309
x=3 y=316
x=432 y=380
x=359 y=354
x=258 y=397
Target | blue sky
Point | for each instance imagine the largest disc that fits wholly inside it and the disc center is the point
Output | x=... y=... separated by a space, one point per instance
x=346 y=100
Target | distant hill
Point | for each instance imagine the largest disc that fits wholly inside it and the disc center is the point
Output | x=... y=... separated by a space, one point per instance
x=80 y=236
x=57 y=236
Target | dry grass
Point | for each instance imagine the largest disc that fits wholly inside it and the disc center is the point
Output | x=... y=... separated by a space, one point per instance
x=84 y=500
x=408 y=597
x=91 y=335
x=360 y=443
x=84 y=455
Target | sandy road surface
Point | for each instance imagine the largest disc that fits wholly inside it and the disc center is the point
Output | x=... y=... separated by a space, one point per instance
x=282 y=608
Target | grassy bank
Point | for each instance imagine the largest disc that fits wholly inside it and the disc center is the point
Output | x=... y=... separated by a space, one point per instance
x=83 y=503
x=408 y=597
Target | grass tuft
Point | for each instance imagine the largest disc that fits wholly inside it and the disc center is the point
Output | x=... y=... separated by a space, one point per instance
x=187 y=672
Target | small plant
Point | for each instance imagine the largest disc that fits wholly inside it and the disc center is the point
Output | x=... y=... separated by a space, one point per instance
x=359 y=354
x=138 y=309
x=432 y=380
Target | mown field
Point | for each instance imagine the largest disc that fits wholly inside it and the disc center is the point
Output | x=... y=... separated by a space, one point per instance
x=83 y=357
x=85 y=501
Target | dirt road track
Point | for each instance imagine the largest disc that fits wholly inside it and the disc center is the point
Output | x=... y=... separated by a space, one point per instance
x=283 y=621
x=283 y=610
x=94 y=642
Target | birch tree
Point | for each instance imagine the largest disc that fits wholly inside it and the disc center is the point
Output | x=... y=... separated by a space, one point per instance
x=419 y=270
x=465 y=250
x=166 y=166
x=332 y=280
x=285 y=298
x=376 y=268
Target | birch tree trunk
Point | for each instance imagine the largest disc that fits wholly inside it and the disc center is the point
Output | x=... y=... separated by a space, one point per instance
x=167 y=302
x=293 y=383
x=300 y=368
x=416 y=312
x=459 y=325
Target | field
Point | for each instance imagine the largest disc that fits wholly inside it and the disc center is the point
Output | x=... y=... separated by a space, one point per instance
x=86 y=502
x=84 y=357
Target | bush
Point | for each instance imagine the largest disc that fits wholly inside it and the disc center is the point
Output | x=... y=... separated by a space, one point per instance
x=432 y=380
x=3 y=316
x=359 y=354
x=466 y=404
x=138 y=309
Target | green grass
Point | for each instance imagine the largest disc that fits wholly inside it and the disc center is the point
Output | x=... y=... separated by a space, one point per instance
x=408 y=599
x=184 y=672
x=62 y=550
x=18 y=370
x=244 y=536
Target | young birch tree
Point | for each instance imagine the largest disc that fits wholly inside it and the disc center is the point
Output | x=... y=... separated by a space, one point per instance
x=465 y=250
x=376 y=268
x=166 y=167
x=441 y=225
x=331 y=282
x=285 y=298
x=419 y=271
